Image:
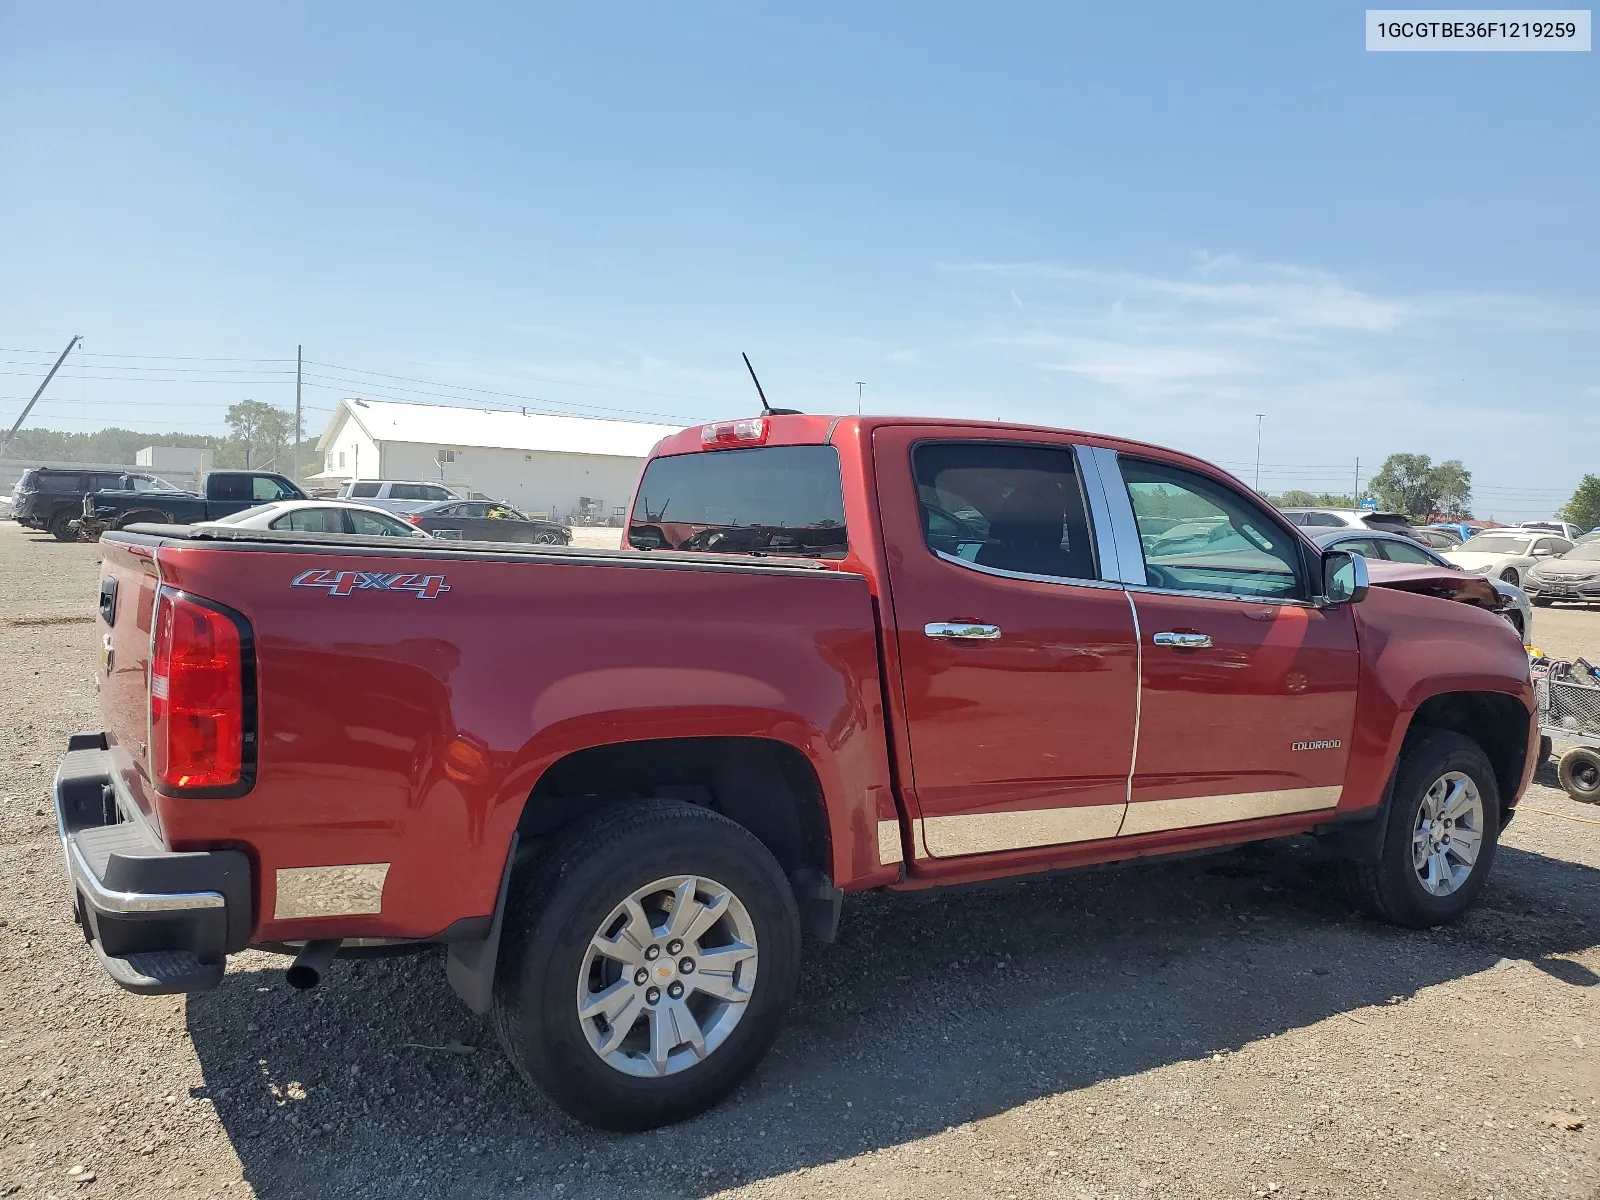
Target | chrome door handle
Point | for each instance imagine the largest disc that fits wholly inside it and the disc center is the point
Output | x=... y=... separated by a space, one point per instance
x=1184 y=641
x=965 y=630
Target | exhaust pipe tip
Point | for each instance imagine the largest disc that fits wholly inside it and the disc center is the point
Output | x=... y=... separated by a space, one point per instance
x=312 y=963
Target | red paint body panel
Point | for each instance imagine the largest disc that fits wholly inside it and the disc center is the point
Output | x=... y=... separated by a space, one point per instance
x=411 y=731
x=1043 y=718
x=1414 y=647
x=1223 y=720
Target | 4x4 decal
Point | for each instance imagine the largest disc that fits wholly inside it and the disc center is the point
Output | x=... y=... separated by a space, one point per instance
x=342 y=583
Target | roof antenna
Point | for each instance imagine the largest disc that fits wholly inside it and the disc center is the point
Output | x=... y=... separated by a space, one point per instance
x=766 y=409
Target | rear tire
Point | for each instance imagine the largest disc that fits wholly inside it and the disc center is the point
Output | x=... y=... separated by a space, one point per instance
x=1579 y=774
x=1393 y=889
x=61 y=526
x=571 y=899
x=545 y=538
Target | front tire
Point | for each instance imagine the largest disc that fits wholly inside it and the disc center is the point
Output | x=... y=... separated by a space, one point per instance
x=1443 y=824
x=621 y=1037
x=1540 y=601
x=1509 y=575
x=1578 y=772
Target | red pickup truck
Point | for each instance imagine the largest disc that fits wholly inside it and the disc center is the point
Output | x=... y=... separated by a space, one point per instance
x=836 y=654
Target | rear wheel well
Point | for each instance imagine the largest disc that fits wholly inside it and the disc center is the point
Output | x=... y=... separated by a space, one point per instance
x=148 y=515
x=764 y=785
x=1496 y=722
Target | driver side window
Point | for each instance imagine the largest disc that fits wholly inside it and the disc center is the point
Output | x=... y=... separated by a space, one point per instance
x=1200 y=536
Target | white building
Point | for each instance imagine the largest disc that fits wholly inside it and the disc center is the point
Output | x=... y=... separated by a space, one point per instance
x=184 y=460
x=541 y=464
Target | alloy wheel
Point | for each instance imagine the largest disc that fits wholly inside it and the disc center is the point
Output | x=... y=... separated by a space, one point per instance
x=667 y=976
x=1448 y=833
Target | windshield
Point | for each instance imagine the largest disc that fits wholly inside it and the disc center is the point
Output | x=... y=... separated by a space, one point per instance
x=771 y=500
x=1491 y=544
x=1587 y=552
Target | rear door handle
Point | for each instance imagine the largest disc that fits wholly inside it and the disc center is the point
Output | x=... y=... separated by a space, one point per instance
x=964 y=630
x=1185 y=641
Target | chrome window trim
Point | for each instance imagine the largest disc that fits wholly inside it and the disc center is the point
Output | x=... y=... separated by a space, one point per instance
x=1270 y=601
x=1026 y=576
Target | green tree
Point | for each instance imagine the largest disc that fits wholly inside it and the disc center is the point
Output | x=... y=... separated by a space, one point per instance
x=1297 y=498
x=261 y=431
x=1411 y=484
x=1583 y=510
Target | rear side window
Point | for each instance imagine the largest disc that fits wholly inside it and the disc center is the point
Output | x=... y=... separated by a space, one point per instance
x=312 y=520
x=1010 y=507
x=368 y=490
x=28 y=482
x=768 y=500
x=413 y=491
x=57 y=483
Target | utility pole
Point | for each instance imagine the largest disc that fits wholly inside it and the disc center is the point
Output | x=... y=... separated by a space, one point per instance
x=299 y=363
x=1258 y=450
x=860 y=387
x=5 y=445
x=1356 y=497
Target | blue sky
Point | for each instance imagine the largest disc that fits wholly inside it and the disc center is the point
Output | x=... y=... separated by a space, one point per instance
x=1151 y=220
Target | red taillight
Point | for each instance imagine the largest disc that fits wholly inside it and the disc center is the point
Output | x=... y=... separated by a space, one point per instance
x=751 y=431
x=414 y=519
x=197 y=719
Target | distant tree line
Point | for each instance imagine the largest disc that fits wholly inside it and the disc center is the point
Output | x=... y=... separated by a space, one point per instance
x=259 y=436
x=1406 y=483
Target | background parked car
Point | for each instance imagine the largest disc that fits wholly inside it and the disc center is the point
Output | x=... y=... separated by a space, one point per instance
x=1438 y=539
x=320 y=516
x=1574 y=575
x=1460 y=529
x=51 y=498
x=1507 y=554
x=396 y=495
x=1592 y=536
x=487 y=521
x=1374 y=544
x=1564 y=529
x=1351 y=518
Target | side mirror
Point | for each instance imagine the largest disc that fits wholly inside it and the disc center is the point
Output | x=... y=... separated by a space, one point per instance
x=1344 y=577
x=1542 y=552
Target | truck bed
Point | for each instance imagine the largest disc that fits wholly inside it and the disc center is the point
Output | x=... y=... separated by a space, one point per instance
x=403 y=724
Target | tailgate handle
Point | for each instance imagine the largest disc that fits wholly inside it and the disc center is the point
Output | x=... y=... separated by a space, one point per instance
x=108 y=599
x=962 y=630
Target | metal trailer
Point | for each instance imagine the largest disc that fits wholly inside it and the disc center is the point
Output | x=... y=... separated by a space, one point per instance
x=1569 y=712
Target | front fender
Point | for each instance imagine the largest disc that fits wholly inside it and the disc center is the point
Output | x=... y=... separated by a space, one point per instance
x=1413 y=648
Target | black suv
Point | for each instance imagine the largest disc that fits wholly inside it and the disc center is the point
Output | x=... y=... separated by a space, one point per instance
x=51 y=498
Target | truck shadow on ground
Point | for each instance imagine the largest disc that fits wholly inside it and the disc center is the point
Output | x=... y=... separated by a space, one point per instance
x=932 y=1010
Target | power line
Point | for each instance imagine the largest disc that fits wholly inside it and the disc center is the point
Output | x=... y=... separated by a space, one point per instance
x=481 y=391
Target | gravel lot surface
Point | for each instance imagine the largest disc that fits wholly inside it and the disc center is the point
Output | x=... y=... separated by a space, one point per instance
x=1219 y=1027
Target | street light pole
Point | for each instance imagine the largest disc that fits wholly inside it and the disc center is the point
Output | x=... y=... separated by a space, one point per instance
x=860 y=387
x=1258 y=450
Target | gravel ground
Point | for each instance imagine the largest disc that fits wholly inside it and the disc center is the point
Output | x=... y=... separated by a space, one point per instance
x=1219 y=1027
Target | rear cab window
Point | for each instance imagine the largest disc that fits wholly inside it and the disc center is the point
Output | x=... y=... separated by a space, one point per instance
x=783 y=500
x=367 y=490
